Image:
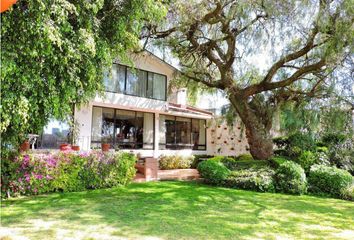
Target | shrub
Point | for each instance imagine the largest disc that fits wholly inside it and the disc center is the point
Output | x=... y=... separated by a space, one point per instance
x=322 y=158
x=306 y=160
x=290 y=178
x=247 y=164
x=342 y=155
x=277 y=161
x=213 y=171
x=260 y=180
x=332 y=139
x=175 y=162
x=245 y=157
x=281 y=142
x=65 y=171
x=303 y=141
x=197 y=159
x=328 y=180
x=348 y=193
x=322 y=149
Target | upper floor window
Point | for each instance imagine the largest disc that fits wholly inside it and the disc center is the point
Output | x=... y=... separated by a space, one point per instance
x=136 y=82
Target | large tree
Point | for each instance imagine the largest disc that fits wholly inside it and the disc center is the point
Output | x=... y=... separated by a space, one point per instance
x=260 y=53
x=54 y=52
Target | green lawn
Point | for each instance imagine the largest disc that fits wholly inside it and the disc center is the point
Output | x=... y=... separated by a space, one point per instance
x=176 y=210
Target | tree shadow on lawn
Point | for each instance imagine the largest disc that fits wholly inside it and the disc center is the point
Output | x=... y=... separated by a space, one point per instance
x=181 y=210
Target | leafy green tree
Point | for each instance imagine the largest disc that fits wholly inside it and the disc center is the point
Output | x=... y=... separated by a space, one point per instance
x=260 y=53
x=53 y=55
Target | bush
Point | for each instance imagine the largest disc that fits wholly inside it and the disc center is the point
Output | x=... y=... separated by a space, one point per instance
x=342 y=155
x=65 y=171
x=213 y=171
x=306 y=160
x=295 y=144
x=330 y=139
x=290 y=178
x=247 y=164
x=322 y=149
x=260 y=180
x=197 y=159
x=277 y=161
x=281 y=142
x=326 y=180
x=348 y=193
x=245 y=157
x=303 y=141
x=322 y=158
x=175 y=162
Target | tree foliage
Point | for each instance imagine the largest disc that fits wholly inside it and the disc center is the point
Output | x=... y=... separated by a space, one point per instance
x=54 y=54
x=260 y=53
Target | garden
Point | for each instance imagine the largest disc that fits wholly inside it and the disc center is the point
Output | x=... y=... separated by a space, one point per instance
x=301 y=165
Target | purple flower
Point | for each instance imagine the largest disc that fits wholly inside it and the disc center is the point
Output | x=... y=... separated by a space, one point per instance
x=39 y=176
x=28 y=178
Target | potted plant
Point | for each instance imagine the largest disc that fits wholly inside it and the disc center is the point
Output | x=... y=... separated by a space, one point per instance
x=25 y=146
x=74 y=134
x=105 y=145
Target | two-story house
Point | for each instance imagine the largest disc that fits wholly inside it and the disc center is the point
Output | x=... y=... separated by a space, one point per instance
x=137 y=114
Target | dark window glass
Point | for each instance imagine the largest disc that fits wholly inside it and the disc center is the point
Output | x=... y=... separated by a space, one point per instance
x=181 y=133
x=107 y=125
x=126 y=129
x=135 y=82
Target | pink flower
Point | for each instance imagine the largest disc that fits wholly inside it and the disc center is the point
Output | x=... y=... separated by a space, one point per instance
x=48 y=177
x=39 y=176
x=20 y=179
x=28 y=178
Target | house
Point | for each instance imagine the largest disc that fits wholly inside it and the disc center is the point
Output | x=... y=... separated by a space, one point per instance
x=138 y=114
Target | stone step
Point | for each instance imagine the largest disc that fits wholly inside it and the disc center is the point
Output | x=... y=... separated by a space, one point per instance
x=139 y=178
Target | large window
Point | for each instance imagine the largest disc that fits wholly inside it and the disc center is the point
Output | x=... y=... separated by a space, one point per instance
x=54 y=133
x=136 y=82
x=182 y=133
x=122 y=128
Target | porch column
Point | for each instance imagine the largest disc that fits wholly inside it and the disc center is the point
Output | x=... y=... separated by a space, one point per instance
x=157 y=134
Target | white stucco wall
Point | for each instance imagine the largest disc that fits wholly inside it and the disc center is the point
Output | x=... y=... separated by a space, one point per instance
x=226 y=140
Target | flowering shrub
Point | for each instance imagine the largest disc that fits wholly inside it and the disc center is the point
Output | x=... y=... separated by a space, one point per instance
x=175 y=162
x=65 y=171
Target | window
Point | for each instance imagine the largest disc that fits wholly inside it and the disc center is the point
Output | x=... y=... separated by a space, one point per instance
x=124 y=129
x=182 y=133
x=159 y=86
x=115 y=80
x=55 y=133
x=136 y=82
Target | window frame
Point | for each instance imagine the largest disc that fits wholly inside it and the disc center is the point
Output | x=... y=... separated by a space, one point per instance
x=147 y=83
x=116 y=143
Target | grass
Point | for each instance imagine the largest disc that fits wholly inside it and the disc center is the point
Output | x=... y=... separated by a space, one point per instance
x=176 y=210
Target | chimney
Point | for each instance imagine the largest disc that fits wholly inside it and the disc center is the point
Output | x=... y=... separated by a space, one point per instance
x=182 y=96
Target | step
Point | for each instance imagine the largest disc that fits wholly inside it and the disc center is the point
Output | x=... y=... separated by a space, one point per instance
x=139 y=178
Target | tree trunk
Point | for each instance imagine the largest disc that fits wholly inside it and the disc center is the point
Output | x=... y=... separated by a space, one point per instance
x=260 y=142
x=257 y=128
